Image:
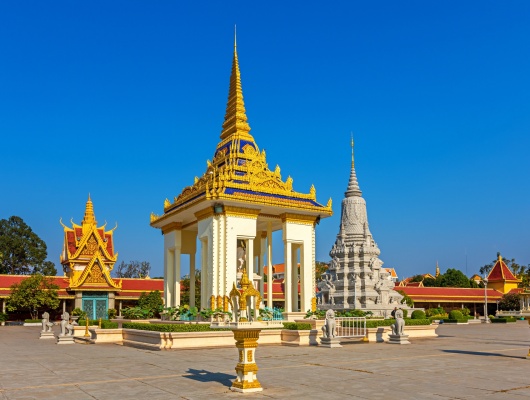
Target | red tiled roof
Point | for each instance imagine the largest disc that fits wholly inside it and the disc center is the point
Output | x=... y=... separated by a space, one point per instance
x=130 y=287
x=501 y=272
x=447 y=294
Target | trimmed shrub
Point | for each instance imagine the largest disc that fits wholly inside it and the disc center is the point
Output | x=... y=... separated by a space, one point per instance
x=503 y=320
x=388 y=322
x=418 y=314
x=455 y=314
x=105 y=323
x=297 y=326
x=455 y=321
x=431 y=312
x=465 y=311
x=171 y=327
x=3 y=317
x=32 y=321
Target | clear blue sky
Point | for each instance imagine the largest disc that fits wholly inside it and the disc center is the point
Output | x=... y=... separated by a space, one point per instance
x=125 y=100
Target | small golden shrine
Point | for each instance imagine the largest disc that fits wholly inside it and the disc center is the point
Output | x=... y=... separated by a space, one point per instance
x=88 y=254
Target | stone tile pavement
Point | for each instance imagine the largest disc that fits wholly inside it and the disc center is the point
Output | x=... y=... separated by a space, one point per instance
x=480 y=361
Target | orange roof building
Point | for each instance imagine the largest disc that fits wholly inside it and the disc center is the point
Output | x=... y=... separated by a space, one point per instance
x=452 y=298
x=501 y=278
x=88 y=258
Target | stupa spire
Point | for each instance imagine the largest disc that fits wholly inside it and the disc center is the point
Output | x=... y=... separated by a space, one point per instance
x=353 y=185
x=235 y=122
x=90 y=218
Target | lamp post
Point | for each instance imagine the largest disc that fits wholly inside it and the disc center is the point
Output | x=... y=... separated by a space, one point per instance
x=486 y=319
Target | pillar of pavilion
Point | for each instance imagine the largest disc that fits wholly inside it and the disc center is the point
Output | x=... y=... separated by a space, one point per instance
x=237 y=203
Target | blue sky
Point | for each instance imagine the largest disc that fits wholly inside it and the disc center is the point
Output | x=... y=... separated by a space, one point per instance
x=126 y=99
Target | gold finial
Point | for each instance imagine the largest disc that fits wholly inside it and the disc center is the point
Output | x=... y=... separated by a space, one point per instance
x=352 y=162
x=90 y=218
x=437 y=273
x=235 y=37
x=499 y=257
x=235 y=122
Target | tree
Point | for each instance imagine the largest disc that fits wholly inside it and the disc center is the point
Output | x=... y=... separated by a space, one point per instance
x=510 y=301
x=430 y=282
x=22 y=251
x=320 y=268
x=417 y=278
x=33 y=294
x=185 y=284
x=406 y=299
x=454 y=278
x=133 y=269
x=151 y=301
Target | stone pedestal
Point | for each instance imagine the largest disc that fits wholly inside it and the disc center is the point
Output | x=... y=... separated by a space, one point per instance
x=68 y=339
x=330 y=342
x=246 y=368
x=398 y=339
x=46 y=335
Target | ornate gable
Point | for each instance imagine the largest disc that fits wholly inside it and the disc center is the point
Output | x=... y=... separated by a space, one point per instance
x=88 y=254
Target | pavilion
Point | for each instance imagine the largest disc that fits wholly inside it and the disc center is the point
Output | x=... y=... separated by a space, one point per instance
x=228 y=216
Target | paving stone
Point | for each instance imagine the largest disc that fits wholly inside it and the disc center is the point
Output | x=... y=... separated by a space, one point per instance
x=466 y=362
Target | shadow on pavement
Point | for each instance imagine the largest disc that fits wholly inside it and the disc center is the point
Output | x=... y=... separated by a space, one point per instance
x=207 y=376
x=481 y=353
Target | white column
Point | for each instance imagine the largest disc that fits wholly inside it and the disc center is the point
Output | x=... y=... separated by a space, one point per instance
x=287 y=276
x=176 y=275
x=261 y=261
x=192 y=280
x=250 y=260
x=269 y=264
x=168 y=278
x=120 y=308
x=204 y=274
x=4 y=306
x=64 y=306
x=294 y=276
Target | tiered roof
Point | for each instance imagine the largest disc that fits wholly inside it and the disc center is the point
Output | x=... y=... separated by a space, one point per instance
x=501 y=273
x=91 y=247
x=239 y=171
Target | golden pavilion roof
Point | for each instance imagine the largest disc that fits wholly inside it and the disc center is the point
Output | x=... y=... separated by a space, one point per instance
x=91 y=247
x=239 y=172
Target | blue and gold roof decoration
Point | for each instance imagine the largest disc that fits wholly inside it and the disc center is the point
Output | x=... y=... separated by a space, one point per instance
x=239 y=170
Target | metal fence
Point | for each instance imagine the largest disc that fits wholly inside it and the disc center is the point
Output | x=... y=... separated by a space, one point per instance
x=350 y=326
x=275 y=314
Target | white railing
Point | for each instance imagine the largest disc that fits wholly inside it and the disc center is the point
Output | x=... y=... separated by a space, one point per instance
x=350 y=326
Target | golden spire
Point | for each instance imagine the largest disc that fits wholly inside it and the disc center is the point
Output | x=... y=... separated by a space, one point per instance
x=437 y=273
x=90 y=218
x=235 y=118
x=352 y=162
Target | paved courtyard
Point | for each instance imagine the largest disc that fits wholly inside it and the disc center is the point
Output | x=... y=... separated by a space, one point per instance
x=465 y=362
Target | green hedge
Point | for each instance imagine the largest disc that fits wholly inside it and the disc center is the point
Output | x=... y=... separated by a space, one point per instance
x=105 y=323
x=32 y=321
x=418 y=314
x=297 y=326
x=388 y=322
x=503 y=320
x=171 y=327
x=454 y=321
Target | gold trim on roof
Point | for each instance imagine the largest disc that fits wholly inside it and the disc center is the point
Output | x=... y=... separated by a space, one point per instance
x=239 y=170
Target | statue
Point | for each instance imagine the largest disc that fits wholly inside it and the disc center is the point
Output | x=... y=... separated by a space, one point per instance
x=67 y=329
x=241 y=255
x=329 y=329
x=46 y=324
x=397 y=327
